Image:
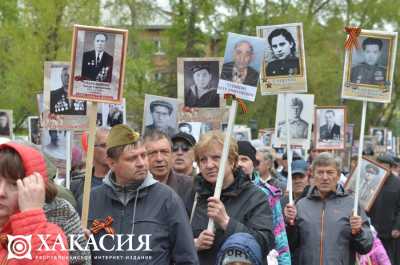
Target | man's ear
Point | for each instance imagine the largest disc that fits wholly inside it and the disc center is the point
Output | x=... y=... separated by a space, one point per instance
x=111 y=163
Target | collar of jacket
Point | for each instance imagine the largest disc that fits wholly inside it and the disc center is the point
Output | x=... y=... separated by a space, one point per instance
x=273 y=191
x=313 y=193
x=206 y=189
x=109 y=181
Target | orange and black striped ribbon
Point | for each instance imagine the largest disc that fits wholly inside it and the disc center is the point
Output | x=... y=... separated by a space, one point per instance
x=98 y=225
x=353 y=33
x=240 y=101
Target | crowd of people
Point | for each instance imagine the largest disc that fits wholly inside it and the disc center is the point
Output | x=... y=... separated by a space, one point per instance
x=152 y=197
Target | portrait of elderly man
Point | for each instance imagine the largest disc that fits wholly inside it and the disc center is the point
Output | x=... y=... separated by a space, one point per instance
x=202 y=93
x=330 y=130
x=161 y=112
x=59 y=102
x=297 y=126
x=239 y=70
x=97 y=64
x=4 y=124
x=369 y=71
x=369 y=183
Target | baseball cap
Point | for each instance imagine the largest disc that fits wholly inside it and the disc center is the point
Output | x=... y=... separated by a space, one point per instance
x=299 y=167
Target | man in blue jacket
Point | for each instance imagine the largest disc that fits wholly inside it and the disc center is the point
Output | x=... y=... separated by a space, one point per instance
x=134 y=218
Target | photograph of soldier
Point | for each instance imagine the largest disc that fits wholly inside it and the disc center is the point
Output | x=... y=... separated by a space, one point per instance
x=379 y=135
x=201 y=82
x=34 y=130
x=242 y=134
x=284 y=56
x=372 y=177
x=241 y=62
x=298 y=127
x=265 y=135
x=115 y=114
x=160 y=114
x=97 y=63
x=369 y=62
x=59 y=102
x=54 y=143
x=192 y=128
x=5 y=124
x=330 y=130
x=185 y=127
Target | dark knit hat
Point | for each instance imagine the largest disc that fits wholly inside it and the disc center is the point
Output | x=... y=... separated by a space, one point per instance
x=121 y=134
x=188 y=138
x=246 y=149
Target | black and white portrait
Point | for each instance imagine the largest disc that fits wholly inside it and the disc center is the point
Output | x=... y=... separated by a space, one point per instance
x=284 y=58
x=379 y=136
x=54 y=143
x=300 y=110
x=34 y=129
x=6 y=123
x=192 y=128
x=372 y=177
x=98 y=63
x=242 y=63
x=349 y=134
x=266 y=135
x=368 y=69
x=330 y=125
x=113 y=114
x=59 y=111
x=160 y=113
x=242 y=134
x=198 y=82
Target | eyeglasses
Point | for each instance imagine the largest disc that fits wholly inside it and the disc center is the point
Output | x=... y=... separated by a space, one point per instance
x=183 y=147
x=103 y=145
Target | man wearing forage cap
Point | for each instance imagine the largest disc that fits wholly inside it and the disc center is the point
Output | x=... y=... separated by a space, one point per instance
x=131 y=203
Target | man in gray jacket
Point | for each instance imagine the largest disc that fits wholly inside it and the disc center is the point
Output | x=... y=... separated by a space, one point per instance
x=134 y=218
x=321 y=227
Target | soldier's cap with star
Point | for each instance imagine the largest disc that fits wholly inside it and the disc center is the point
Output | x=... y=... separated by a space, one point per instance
x=162 y=103
x=120 y=135
x=199 y=67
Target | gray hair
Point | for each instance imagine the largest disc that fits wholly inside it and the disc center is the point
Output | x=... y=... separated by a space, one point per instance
x=326 y=159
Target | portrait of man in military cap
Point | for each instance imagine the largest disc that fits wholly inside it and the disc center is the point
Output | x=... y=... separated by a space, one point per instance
x=300 y=112
x=160 y=114
x=372 y=177
x=201 y=81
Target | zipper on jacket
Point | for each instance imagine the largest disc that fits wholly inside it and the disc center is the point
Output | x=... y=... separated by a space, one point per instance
x=321 y=242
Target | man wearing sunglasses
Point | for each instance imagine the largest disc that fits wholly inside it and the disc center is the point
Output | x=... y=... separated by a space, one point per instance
x=182 y=153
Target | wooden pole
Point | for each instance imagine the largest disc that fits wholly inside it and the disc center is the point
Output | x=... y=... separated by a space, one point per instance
x=68 y=156
x=360 y=149
x=92 y=111
x=288 y=151
x=224 y=157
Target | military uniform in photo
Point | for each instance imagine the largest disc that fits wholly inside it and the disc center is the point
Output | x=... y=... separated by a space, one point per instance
x=298 y=129
x=231 y=73
x=97 y=67
x=208 y=100
x=59 y=104
x=287 y=66
x=368 y=74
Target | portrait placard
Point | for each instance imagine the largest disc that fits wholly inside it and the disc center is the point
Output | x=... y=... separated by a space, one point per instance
x=349 y=134
x=368 y=69
x=379 y=135
x=210 y=118
x=300 y=108
x=192 y=128
x=330 y=128
x=284 y=65
x=34 y=129
x=59 y=112
x=198 y=82
x=242 y=133
x=97 y=64
x=54 y=143
x=242 y=63
x=372 y=178
x=266 y=136
x=6 y=123
x=113 y=114
x=160 y=113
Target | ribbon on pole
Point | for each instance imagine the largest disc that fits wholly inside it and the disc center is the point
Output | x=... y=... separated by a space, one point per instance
x=352 y=41
x=240 y=101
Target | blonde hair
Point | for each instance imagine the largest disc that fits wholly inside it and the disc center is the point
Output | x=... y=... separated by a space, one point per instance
x=211 y=138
